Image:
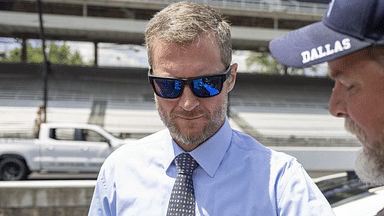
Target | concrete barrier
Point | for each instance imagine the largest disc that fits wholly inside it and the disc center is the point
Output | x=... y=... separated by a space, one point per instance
x=335 y=159
x=35 y=198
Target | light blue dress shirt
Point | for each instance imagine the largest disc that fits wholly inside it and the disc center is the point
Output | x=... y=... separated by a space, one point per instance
x=236 y=176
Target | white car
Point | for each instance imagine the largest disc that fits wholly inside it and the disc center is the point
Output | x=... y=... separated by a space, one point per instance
x=349 y=196
x=368 y=204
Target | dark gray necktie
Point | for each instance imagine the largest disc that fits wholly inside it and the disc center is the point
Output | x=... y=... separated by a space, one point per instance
x=182 y=200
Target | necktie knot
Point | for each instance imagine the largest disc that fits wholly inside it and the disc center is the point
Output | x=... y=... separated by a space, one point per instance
x=185 y=164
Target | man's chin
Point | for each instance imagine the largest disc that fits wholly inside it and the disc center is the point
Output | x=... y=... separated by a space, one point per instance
x=369 y=166
x=188 y=138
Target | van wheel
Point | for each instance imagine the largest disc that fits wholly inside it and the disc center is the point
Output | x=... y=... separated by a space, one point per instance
x=13 y=169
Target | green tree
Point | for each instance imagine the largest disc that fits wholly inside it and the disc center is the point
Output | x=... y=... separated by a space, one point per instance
x=267 y=63
x=56 y=54
x=34 y=55
x=270 y=65
x=76 y=59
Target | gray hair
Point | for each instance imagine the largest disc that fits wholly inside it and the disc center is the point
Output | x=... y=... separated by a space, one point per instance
x=183 y=22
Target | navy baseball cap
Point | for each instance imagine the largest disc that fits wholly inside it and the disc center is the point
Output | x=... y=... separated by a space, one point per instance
x=347 y=26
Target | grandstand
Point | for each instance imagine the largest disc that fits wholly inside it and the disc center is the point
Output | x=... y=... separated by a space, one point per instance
x=278 y=110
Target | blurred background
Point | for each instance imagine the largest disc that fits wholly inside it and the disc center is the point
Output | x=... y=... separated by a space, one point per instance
x=85 y=61
x=98 y=67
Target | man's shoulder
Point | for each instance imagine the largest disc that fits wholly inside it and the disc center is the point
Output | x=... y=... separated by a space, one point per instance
x=260 y=158
x=254 y=147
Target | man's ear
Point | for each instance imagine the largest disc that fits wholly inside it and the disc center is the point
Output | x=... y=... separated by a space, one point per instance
x=232 y=78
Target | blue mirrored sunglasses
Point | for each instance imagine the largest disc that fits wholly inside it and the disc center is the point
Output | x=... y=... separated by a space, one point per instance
x=202 y=86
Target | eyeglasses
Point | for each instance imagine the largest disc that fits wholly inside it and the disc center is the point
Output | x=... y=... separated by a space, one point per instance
x=202 y=86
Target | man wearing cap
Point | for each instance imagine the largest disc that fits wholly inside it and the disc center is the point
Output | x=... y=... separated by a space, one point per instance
x=199 y=165
x=351 y=39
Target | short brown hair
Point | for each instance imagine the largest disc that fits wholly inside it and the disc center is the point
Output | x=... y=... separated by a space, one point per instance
x=182 y=22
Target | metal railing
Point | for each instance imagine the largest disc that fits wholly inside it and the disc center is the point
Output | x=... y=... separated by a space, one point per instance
x=282 y=6
x=285 y=6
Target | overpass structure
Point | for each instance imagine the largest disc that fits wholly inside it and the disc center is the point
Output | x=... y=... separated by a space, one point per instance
x=254 y=22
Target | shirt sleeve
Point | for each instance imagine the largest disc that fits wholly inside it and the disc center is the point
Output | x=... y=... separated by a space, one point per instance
x=300 y=196
x=100 y=205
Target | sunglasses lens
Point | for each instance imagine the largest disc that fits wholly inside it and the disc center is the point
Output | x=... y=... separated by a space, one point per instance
x=203 y=87
x=167 y=88
x=207 y=87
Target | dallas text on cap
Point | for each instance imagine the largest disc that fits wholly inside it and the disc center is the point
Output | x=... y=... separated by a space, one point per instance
x=320 y=52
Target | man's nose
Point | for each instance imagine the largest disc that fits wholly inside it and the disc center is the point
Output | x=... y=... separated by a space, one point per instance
x=188 y=101
x=337 y=103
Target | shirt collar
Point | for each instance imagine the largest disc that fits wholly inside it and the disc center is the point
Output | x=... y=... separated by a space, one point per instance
x=209 y=154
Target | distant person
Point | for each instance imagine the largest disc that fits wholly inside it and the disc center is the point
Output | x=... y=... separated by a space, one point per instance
x=351 y=39
x=84 y=134
x=81 y=135
x=38 y=121
x=199 y=165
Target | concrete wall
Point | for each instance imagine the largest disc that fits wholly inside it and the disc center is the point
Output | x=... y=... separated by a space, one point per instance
x=35 y=198
x=333 y=159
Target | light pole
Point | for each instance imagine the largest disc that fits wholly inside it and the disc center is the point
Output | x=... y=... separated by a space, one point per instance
x=46 y=63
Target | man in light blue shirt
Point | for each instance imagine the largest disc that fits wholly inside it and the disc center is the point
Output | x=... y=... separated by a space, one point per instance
x=189 y=52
